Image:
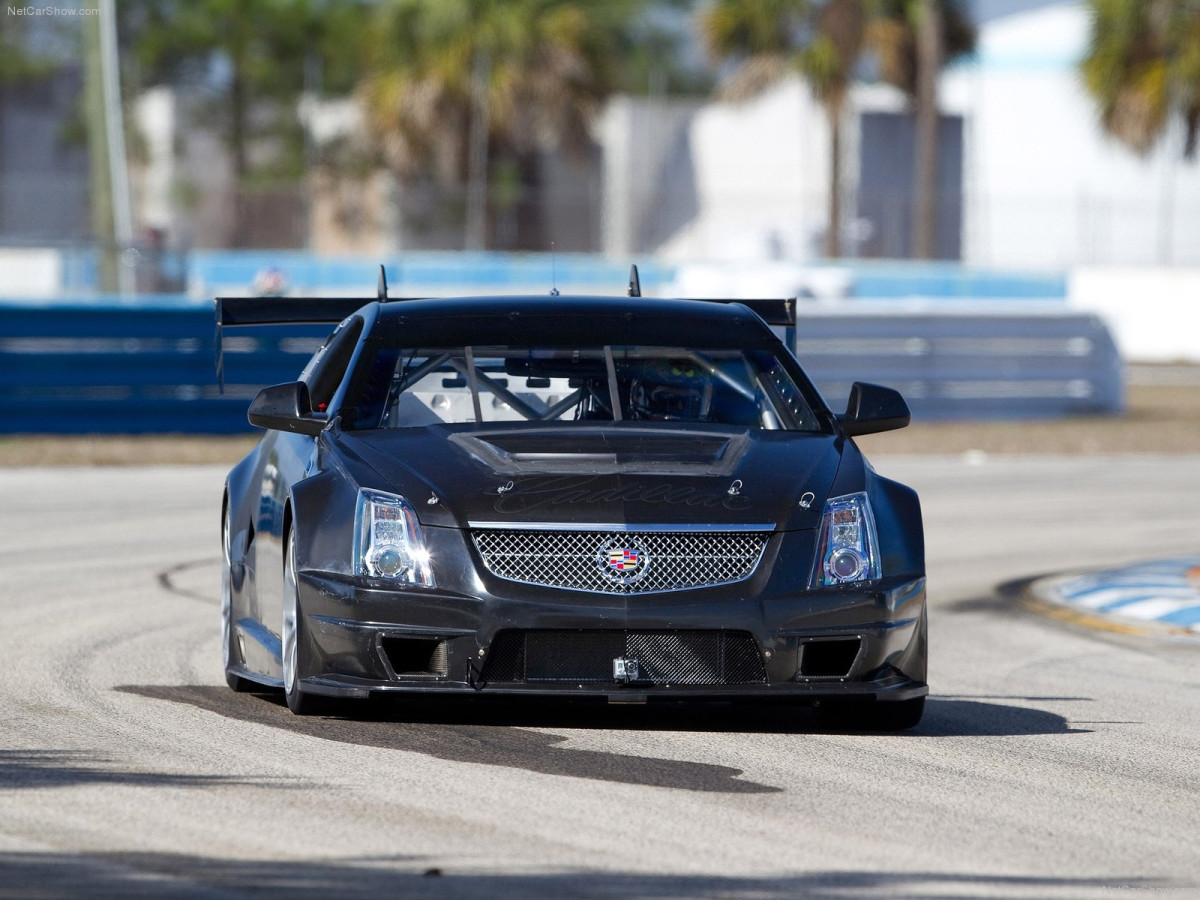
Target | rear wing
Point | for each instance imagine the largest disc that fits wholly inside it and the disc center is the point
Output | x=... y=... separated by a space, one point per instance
x=239 y=311
x=773 y=312
x=235 y=311
x=232 y=312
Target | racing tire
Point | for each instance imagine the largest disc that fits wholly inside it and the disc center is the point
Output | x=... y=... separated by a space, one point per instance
x=294 y=642
x=235 y=682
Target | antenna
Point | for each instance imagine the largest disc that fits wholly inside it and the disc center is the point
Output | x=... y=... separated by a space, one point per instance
x=635 y=283
x=381 y=290
x=553 y=271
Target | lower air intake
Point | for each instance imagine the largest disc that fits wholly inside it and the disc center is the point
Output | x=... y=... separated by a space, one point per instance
x=829 y=658
x=415 y=657
x=663 y=657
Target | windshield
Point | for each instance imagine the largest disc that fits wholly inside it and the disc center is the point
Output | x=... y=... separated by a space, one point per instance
x=479 y=384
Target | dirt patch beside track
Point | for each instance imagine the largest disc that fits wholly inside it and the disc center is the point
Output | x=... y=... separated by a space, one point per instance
x=1159 y=418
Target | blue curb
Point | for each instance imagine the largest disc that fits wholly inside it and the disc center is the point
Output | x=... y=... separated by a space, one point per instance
x=1159 y=595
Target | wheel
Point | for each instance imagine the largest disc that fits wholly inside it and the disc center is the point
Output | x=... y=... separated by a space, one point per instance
x=898 y=715
x=235 y=682
x=292 y=633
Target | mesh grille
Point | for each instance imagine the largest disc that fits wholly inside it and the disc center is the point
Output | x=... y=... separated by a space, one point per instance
x=621 y=562
x=664 y=657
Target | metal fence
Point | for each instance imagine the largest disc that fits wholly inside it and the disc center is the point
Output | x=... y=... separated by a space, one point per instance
x=77 y=370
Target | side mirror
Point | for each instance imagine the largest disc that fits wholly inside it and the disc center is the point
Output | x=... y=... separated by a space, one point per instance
x=285 y=407
x=873 y=408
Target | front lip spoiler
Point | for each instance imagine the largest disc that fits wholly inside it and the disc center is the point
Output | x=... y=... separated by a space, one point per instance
x=890 y=689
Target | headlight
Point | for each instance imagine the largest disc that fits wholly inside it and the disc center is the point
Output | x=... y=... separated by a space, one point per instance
x=847 y=546
x=387 y=539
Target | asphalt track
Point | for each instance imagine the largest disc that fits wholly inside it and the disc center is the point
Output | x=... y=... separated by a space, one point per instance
x=1054 y=761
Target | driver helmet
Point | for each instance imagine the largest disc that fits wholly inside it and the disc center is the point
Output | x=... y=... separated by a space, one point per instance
x=671 y=390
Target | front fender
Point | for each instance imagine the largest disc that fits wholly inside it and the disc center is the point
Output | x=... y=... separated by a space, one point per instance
x=899 y=524
x=323 y=522
x=240 y=497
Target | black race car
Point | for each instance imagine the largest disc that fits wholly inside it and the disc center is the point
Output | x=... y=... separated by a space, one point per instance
x=625 y=498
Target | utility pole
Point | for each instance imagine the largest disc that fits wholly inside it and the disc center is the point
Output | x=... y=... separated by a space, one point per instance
x=100 y=185
x=112 y=223
x=118 y=162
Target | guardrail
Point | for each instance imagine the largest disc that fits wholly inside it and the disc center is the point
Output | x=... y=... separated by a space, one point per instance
x=956 y=365
x=77 y=370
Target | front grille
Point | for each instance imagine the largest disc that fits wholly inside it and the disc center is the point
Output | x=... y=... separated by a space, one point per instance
x=663 y=657
x=621 y=562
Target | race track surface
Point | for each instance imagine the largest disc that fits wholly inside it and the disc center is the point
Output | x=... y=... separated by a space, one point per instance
x=1053 y=762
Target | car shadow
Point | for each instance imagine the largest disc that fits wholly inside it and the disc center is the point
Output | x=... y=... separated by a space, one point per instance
x=57 y=876
x=455 y=734
x=501 y=731
x=43 y=768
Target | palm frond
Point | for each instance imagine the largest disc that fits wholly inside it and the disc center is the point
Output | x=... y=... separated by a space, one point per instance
x=1142 y=66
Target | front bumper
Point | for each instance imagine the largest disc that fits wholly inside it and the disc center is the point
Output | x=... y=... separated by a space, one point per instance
x=366 y=637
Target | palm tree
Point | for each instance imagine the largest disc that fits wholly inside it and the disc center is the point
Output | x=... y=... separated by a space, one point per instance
x=1142 y=67
x=824 y=41
x=459 y=84
x=912 y=41
x=268 y=47
x=771 y=38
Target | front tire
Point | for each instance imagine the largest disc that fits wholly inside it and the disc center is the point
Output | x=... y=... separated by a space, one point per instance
x=235 y=682
x=292 y=640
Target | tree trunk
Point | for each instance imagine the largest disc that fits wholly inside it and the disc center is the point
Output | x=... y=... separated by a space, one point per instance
x=527 y=209
x=237 y=142
x=475 y=237
x=929 y=64
x=833 y=236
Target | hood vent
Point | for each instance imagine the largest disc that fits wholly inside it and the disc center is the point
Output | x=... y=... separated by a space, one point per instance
x=606 y=451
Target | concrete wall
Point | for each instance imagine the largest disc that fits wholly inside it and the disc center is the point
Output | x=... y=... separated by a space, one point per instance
x=760 y=176
x=1154 y=313
x=34 y=272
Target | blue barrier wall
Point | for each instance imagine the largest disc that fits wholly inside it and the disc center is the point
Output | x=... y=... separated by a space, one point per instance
x=234 y=271
x=228 y=270
x=85 y=369
x=951 y=281
x=77 y=370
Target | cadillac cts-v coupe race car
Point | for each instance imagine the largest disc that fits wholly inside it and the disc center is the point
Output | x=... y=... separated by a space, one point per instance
x=611 y=497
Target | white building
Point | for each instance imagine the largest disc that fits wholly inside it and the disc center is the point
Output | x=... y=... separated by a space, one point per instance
x=1041 y=186
x=1044 y=186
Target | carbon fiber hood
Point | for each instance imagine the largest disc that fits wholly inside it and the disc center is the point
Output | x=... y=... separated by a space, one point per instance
x=623 y=475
